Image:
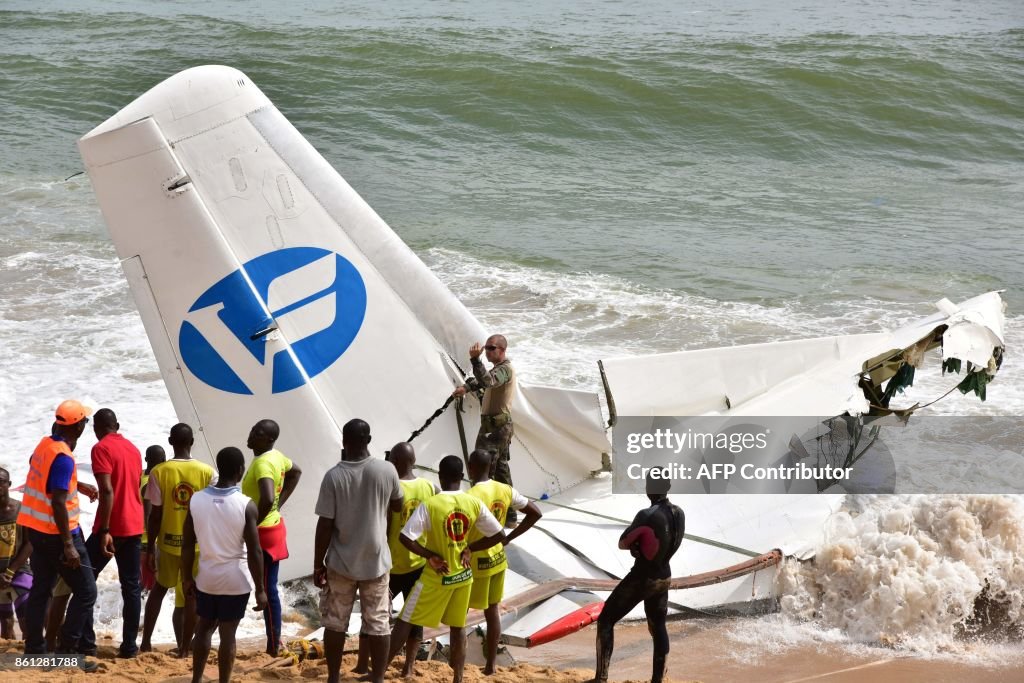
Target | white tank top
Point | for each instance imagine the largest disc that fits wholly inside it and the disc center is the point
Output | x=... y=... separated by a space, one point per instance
x=218 y=516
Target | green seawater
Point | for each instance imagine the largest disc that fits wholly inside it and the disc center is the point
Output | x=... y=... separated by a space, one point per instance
x=597 y=179
x=746 y=154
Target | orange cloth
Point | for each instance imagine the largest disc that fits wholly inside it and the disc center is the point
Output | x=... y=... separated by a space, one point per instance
x=36 y=511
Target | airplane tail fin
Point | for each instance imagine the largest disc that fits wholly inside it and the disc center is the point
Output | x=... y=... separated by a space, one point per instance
x=270 y=289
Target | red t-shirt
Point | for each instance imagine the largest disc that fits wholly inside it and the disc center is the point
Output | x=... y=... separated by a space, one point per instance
x=116 y=456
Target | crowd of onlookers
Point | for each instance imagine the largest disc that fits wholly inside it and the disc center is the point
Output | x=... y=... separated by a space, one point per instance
x=218 y=538
x=141 y=522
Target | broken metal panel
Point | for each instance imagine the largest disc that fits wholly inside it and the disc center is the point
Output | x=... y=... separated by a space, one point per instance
x=804 y=377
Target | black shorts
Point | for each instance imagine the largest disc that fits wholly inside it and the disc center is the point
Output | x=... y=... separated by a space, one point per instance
x=403 y=583
x=221 y=607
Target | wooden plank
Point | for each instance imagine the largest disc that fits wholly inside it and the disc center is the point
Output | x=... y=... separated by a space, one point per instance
x=547 y=589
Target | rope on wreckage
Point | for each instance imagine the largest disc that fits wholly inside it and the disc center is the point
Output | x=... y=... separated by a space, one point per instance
x=625 y=522
x=546 y=501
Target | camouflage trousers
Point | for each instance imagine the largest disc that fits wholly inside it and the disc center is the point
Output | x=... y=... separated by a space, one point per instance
x=496 y=435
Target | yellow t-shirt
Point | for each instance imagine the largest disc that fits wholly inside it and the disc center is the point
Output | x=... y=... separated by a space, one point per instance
x=176 y=480
x=271 y=465
x=142 y=484
x=415 y=492
x=498 y=498
x=10 y=538
x=452 y=516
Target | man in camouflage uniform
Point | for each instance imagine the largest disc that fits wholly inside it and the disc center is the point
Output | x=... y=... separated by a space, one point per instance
x=499 y=387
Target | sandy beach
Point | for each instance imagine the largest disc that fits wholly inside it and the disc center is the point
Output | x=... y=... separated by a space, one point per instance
x=702 y=650
x=254 y=665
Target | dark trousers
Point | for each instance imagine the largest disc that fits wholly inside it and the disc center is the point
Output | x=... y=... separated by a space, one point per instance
x=47 y=566
x=495 y=435
x=272 y=615
x=502 y=473
x=633 y=589
x=127 y=552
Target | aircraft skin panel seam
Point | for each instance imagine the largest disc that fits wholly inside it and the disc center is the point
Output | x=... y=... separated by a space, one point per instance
x=557 y=480
x=221 y=124
x=143 y=153
x=395 y=241
x=156 y=306
x=146 y=290
x=554 y=477
x=337 y=224
x=230 y=248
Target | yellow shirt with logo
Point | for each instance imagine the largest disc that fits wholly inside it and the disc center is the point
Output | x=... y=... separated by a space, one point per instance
x=415 y=492
x=446 y=520
x=498 y=498
x=271 y=465
x=171 y=485
x=11 y=537
x=142 y=484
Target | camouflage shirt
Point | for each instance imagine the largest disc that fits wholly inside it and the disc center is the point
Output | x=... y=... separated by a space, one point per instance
x=498 y=385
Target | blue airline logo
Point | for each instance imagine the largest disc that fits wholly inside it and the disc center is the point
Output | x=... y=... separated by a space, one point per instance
x=317 y=295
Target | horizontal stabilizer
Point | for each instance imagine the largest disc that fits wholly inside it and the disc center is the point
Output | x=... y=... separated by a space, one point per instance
x=800 y=377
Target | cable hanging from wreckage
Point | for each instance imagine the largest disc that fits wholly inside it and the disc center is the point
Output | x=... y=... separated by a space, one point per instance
x=840 y=444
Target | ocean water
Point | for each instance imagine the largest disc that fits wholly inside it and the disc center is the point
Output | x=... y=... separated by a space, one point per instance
x=592 y=179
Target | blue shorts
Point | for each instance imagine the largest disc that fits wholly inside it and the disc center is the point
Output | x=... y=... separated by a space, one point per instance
x=221 y=607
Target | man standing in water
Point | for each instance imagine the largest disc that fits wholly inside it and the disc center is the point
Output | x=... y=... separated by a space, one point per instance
x=652 y=538
x=223 y=521
x=170 y=488
x=269 y=482
x=489 y=565
x=499 y=388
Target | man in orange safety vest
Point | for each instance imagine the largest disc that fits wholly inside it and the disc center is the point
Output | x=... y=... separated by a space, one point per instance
x=50 y=513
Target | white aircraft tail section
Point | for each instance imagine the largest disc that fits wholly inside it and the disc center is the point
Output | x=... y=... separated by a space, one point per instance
x=270 y=289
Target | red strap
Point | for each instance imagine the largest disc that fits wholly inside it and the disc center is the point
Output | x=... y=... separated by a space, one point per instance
x=648 y=541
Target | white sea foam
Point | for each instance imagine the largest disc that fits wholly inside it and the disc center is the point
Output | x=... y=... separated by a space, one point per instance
x=925 y=574
x=107 y=614
x=768 y=636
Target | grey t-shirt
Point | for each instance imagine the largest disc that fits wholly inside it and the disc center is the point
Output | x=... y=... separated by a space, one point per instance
x=356 y=496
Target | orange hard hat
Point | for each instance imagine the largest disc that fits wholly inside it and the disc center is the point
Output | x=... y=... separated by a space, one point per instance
x=72 y=412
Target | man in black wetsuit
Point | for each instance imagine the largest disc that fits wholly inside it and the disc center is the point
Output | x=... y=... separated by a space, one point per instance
x=652 y=538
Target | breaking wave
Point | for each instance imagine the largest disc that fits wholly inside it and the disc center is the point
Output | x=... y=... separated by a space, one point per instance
x=926 y=574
